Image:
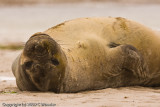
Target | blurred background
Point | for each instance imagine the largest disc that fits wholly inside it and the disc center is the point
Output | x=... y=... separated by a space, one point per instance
x=19 y=19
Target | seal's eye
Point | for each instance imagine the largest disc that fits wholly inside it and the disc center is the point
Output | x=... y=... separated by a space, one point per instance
x=28 y=64
x=55 y=61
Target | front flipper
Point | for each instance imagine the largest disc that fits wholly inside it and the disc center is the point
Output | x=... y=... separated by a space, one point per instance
x=134 y=64
x=126 y=66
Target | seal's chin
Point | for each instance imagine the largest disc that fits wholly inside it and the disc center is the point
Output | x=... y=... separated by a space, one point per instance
x=43 y=85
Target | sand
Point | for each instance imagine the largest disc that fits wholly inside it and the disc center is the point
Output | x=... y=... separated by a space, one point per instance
x=19 y=23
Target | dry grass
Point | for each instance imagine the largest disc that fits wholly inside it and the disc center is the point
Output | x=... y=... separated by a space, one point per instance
x=32 y=2
x=15 y=46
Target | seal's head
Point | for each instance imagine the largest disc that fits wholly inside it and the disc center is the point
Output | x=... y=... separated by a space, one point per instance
x=44 y=62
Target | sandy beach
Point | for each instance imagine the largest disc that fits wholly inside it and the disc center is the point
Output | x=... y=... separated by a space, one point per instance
x=18 y=23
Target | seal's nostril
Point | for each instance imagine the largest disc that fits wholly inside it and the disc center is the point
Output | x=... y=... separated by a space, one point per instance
x=48 y=66
x=39 y=49
x=37 y=66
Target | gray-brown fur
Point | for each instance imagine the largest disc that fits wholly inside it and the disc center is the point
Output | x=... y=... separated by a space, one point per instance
x=89 y=54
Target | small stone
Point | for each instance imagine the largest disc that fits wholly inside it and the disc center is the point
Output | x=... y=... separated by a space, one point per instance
x=125 y=97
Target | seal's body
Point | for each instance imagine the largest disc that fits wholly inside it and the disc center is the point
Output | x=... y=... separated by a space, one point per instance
x=89 y=54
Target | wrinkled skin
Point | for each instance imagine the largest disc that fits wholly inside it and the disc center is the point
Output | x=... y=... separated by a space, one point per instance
x=89 y=54
x=42 y=64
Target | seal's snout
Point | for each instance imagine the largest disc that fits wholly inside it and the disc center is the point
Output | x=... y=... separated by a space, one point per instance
x=40 y=45
x=43 y=67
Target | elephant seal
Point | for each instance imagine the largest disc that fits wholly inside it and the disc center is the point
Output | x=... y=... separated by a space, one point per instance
x=89 y=54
